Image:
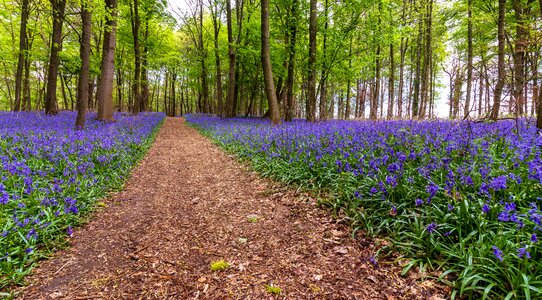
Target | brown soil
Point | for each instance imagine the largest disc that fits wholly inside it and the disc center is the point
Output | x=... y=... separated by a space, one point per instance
x=187 y=205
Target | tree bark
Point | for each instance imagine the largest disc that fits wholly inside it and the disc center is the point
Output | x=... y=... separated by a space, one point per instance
x=289 y=111
x=469 y=58
x=539 y=104
x=51 y=105
x=23 y=55
x=520 y=46
x=216 y=28
x=230 y=110
x=84 y=53
x=323 y=74
x=104 y=95
x=266 y=63
x=391 y=88
x=311 y=79
x=136 y=85
x=144 y=101
x=500 y=65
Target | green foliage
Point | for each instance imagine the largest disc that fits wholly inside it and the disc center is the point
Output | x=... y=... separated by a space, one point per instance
x=219 y=265
x=273 y=289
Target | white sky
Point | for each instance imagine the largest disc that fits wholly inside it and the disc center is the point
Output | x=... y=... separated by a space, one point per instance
x=176 y=5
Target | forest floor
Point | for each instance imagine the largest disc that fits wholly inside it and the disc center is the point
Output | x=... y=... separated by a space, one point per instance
x=188 y=204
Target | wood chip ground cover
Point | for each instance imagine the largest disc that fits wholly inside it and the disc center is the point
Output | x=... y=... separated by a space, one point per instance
x=189 y=205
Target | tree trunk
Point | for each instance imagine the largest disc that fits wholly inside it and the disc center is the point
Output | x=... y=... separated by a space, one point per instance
x=289 y=105
x=144 y=101
x=216 y=28
x=84 y=53
x=136 y=85
x=469 y=58
x=104 y=95
x=230 y=110
x=520 y=46
x=539 y=104
x=501 y=77
x=391 y=88
x=23 y=55
x=51 y=105
x=311 y=79
x=323 y=75
x=427 y=58
x=266 y=63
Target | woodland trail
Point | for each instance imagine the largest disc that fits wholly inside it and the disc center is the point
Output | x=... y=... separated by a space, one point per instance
x=188 y=204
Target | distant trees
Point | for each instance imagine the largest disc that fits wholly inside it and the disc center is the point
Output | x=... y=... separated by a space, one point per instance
x=329 y=59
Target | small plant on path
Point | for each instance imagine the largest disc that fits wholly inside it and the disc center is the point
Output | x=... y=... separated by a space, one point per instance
x=219 y=265
x=273 y=289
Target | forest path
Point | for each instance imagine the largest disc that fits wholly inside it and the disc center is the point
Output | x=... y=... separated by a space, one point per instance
x=188 y=204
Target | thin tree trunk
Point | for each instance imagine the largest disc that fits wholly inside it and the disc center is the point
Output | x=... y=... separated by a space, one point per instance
x=51 y=105
x=311 y=80
x=539 y=104
x=216 y=28
x=136 y=85
x=63 y=89
x=323 y=75
x=289 y=105
x=144 y=101
x=274 y=110
x=469 y=58
x=84 y=53
x=23 y=55
x=230 y=110
x=391 y=88
x=501 y=77
x=520 y=46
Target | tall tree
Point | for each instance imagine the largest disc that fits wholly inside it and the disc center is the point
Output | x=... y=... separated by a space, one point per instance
x=292 y=27
x=216 y=12
x=84 y=53
x=136 y=84
x=230 y=111
x=501 y=76
x=104 y=95
x=469 y=58
x=520 y=47
x=23 y=55
x=203 y=57
x=311 y=79
x=51 y=105
x=274 y=111
x=539 y=104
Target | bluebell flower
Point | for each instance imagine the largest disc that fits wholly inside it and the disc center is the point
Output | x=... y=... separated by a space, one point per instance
x=498 y=183
x=431 y=227
x=523 y=252
x=497 y=252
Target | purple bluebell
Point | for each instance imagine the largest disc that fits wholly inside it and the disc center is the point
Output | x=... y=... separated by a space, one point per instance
x=497 y=253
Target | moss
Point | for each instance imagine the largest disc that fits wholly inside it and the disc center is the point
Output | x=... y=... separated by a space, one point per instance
x=273 y=289
x=219 y=265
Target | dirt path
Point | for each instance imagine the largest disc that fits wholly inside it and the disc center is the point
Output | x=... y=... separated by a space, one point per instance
x=189 y=204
